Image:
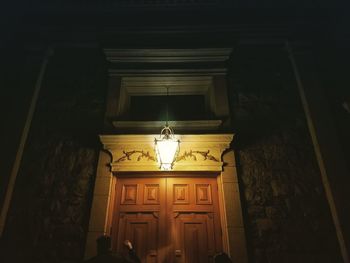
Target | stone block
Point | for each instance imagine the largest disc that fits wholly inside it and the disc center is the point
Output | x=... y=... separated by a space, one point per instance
x=229 y=175
x=256 y=211
x=98 y=213
x=229 y=158
x=233 y=205
x=104 y=161
x=272 y=212
x=237 y=243
x=102 y=185
x=264 y=225
x=249 y=194
x=279 y=188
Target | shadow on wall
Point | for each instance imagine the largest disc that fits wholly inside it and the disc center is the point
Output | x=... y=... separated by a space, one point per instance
x=287 y=214
x=49 y=213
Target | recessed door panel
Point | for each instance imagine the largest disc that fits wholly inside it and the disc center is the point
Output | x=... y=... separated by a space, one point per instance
x=142 y=230
x=196 y=230
x=194 y=237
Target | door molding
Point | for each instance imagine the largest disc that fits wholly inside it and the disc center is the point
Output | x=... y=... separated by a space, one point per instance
x=199 y=155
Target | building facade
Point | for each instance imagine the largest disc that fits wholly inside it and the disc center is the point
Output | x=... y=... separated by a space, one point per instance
x=262 y=169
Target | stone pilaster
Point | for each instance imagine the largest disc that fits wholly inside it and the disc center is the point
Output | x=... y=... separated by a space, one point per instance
x=100 y=206
x=334 y=172
x=232 y=203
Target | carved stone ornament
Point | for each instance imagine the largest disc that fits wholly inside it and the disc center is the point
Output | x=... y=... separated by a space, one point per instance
x=141 y=154
x=193 y=155
x=136 y=152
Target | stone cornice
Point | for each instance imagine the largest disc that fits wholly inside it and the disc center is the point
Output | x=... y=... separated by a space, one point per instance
x=168 y=72
x=136 y=152
x=168 y=55
x=185 y=126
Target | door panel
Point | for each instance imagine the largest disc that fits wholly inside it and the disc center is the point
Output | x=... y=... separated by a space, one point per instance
x=169 y=220
x=194 y=237
x=142 y=230
x=196 y=230
x=139 y=217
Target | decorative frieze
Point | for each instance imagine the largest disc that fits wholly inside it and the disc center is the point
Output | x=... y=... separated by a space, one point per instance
x=141 y=154
x=136 y=152
x=193 y=155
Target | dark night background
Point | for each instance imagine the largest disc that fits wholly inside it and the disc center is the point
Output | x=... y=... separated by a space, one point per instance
x=285 y=207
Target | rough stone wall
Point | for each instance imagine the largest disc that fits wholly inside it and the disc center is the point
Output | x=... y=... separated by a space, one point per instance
x=286 y=212
x=49 y=213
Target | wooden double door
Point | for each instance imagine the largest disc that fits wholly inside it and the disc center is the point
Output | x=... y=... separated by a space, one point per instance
x=169 y=220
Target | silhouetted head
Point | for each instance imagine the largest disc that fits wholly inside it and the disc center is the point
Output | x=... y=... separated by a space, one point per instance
x=222 y=258
x=103 y=244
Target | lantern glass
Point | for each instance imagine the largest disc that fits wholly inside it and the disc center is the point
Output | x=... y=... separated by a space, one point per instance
x=166 y=150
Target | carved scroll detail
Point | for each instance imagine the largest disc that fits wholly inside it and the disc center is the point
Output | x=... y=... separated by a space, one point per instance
x=192 y=154
x=142 y=154
x=155 y=214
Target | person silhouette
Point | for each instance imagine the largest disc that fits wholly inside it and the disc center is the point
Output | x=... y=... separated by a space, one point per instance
x=105 y=255
x=132 y=256
x=222 y=258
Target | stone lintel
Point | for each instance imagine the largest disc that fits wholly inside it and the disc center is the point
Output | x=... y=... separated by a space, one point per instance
x=136 y=152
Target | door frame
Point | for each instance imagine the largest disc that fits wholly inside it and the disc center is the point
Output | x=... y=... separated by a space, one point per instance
x=165 y=180
x=124 y=155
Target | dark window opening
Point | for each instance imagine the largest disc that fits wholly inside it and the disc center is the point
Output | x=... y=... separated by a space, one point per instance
x=180 y=107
